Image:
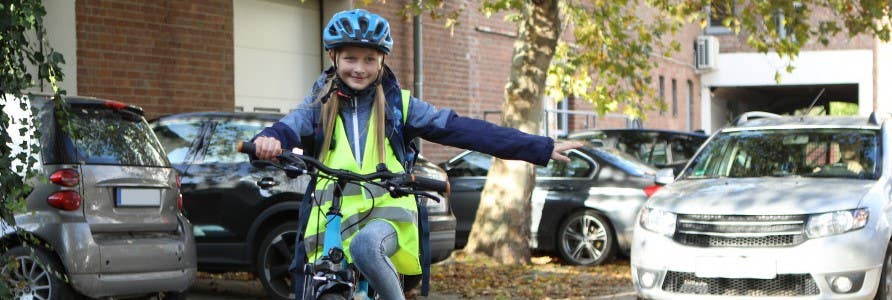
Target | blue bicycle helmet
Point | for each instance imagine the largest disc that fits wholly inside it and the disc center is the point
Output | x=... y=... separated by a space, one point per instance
x=357 y=27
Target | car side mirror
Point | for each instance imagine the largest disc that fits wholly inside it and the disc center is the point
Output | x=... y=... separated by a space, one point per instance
x=665 y=176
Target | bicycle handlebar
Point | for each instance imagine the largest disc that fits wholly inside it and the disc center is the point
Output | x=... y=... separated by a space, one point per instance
x=297 y=164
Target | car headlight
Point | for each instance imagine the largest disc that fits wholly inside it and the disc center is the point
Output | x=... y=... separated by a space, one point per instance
x=836 y=222
x=659 y=221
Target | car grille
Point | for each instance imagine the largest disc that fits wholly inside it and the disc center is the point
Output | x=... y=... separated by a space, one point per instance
x=782 y=285
x=740 y=231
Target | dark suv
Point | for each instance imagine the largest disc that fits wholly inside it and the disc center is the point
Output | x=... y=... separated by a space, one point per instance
x=243 y=215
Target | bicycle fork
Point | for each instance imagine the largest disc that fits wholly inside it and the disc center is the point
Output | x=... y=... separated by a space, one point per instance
x=331 y=274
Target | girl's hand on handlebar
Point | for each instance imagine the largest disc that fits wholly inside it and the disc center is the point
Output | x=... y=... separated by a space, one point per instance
x=267 y=148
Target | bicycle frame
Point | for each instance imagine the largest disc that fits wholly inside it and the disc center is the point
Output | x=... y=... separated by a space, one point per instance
x=330 y=277
x=336 y=276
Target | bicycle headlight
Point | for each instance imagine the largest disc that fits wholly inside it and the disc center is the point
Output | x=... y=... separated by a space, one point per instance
x=659 y=221
x=836 y=222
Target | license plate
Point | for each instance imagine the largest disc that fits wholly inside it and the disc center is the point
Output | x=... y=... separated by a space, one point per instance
x=138 y=197
x=735 y=267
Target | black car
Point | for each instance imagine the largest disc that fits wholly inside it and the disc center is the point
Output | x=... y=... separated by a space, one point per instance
x=657 y=148
x=584 y=210
x=242 y=215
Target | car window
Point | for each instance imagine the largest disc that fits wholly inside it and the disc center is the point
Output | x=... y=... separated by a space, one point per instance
x=578 y=167
x=683 y=147
x=624 y=161
x=221 y=147
x=177 y=137
x=642 y=145
x=472 y=164
x=843 y=153
x=113 y=137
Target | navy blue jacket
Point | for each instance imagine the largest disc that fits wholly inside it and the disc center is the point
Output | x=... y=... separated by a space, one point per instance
x=442 y=126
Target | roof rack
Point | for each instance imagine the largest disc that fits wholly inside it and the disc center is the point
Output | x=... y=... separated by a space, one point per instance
x=753 y=115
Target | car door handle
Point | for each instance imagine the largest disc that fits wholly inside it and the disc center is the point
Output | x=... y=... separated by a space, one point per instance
x=267 y=182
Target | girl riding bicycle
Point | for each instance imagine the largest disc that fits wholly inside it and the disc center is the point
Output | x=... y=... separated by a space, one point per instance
x=356 y=118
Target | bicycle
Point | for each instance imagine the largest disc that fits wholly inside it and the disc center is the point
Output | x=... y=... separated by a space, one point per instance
x=330 y=277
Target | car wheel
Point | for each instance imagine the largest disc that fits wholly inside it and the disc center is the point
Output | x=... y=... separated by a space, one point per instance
x=273 y=260
x=884 y=290
x=35 y=275
x=586 y=238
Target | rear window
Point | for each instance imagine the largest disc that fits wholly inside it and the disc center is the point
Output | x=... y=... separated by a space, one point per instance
x=113 y=137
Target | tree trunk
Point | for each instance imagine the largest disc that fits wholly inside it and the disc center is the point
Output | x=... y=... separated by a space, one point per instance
x=502 y=226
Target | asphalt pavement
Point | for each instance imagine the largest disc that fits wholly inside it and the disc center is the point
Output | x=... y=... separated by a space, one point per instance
x=220 y=289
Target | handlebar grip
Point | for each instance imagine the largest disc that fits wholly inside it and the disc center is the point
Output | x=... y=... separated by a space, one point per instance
x=430 y=184
x=246 y=148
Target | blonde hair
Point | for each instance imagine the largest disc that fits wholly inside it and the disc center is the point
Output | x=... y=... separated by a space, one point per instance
x=330 y=113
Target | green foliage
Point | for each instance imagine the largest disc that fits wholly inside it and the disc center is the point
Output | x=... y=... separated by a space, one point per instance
x=843 y=109
x=22 y=44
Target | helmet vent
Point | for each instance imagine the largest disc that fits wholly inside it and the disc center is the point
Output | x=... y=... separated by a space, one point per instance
x=346 y=24
x=378 y=29
x=363 y=25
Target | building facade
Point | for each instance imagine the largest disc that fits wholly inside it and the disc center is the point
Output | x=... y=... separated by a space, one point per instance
x=263 y=55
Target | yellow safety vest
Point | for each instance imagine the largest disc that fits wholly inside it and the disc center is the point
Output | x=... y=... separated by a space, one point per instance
x=356 y=207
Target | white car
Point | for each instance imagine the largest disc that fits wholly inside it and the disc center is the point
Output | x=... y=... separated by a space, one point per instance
x=774 y=208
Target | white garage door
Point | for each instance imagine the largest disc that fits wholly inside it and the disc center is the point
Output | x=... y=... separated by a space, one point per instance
x=277 y=53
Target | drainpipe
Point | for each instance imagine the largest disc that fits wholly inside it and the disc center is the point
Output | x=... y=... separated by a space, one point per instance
x=418 y=90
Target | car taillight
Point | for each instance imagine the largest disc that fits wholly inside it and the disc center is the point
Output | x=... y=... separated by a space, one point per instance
x=650 y=190
x=115 y=104
x=65 y=177
x=179 y=193
x=65 y=200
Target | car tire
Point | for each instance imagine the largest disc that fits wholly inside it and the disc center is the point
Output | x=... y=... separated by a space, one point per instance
x=884 y=289
x=273 y=260
x=45 y=277
x=586 y=238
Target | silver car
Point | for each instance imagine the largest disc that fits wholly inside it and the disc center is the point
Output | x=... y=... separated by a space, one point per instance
x=776 y=207
x=105 y=218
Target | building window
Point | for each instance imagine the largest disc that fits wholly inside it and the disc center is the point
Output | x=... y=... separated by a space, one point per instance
x=784 y=22
x=562 y=117
x=690 y=105
x=674 y=99
x=718 y=11
x=662 y=96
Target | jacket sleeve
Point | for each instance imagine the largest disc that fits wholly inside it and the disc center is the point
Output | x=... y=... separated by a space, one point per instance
x=444 y=126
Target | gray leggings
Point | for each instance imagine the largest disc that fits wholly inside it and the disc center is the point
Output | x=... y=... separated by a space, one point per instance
x=371 y=249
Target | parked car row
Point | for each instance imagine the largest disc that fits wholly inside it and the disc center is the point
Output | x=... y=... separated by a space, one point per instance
x=173 y=191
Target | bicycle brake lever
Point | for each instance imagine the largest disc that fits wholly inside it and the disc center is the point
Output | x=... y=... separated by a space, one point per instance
x=432 y=197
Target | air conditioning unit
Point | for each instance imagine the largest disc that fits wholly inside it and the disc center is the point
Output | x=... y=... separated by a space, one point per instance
x=707 y=52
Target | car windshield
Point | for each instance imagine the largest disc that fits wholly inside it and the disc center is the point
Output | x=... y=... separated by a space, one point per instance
x=815 y=152
x=114 y=137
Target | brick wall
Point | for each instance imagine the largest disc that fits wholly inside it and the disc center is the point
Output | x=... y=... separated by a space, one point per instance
x=465 y=69
x=468 y=69
x=167 y=56
x=737 y=43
